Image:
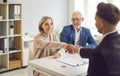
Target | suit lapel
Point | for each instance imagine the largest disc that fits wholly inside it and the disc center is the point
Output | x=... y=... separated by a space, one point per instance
x=81 y=36
x=73 y=34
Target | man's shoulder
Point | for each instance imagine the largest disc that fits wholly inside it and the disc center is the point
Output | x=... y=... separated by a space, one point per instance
x=85 y=29
x=68 y=26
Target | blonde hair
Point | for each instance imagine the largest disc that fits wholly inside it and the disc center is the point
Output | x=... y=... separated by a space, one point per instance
x=43 y=19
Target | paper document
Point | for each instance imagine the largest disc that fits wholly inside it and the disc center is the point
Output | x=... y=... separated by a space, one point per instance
x=71 y=61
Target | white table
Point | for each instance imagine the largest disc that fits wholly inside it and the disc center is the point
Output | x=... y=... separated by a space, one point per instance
x=52 y=67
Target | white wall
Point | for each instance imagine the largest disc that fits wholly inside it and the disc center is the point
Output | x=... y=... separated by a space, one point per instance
x=12 y=0
x=71 y=9
x=33 y=10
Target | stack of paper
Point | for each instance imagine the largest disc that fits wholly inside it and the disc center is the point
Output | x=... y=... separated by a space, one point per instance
x=71 y=61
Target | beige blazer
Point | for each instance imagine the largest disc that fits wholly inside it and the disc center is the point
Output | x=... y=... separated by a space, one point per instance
x=46 y=46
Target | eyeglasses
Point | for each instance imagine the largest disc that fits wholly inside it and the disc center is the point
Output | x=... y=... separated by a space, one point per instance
x=77 y=19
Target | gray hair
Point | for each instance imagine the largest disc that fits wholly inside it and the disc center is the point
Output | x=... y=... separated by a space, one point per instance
x=43 y=19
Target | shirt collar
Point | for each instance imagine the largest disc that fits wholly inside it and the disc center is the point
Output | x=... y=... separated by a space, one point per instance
x=76 y=30
x=108 y=33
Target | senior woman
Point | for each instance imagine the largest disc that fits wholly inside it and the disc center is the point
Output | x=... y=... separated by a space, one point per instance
x=46 y=42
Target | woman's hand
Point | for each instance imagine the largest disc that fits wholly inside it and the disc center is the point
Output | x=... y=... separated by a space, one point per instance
x=56 y=55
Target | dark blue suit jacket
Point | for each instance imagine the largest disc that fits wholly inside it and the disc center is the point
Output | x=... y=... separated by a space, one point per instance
x=68 y=36
x=104 y=60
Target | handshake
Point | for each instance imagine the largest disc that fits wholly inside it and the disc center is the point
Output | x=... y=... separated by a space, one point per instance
x=72 y=49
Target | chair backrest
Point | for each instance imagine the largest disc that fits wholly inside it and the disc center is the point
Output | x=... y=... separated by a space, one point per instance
x=31 y=51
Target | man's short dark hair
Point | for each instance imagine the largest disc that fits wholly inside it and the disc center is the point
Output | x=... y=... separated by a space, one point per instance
x=108 y=12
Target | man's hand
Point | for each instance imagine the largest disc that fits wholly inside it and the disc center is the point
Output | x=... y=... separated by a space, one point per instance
x=73 y=49
x=69 y=48
x=77 y=49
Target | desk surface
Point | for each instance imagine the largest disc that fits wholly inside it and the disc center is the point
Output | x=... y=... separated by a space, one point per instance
x=55 y=68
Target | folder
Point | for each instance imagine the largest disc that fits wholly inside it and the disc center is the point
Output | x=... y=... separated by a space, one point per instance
x=71 y=61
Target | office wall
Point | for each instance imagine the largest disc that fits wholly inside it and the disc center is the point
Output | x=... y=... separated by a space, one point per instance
x=12 y=0
x=33 y=10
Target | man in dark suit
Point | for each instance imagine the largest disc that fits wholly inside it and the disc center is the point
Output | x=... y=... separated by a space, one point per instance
x=104 y=60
